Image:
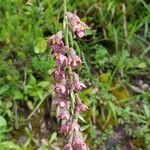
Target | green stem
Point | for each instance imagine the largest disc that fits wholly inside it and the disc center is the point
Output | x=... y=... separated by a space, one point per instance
x=65 y=28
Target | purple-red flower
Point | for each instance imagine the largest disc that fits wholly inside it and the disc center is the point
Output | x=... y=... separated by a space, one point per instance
x=68 y=147
x=72 y=18
x=77 y=86
x=64 y=129
x=56 y=43
x=61 y=102
x=81 y=107
x=59 y=74
x=60 y=59
x=78 y=27
x=78 y=144
x=74 y=127
x=64 y=115
x=74 y=61
x=60 y=88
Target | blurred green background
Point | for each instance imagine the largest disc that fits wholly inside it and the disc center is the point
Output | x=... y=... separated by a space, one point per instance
x=116 y=70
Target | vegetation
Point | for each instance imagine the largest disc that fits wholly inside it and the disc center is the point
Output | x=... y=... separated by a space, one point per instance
x=115 y=70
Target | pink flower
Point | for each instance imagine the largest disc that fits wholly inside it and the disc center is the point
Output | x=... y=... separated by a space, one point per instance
x=56 y=43
x=72 y=18
x=64 y=115
x=77 y=86
x=78 y=144
x=81 y=107
x=59 y=74
x=60 y=88
x=74 y=127
x=60 y=59
x=80 y=33
x=74 y=61
x=77 y=25
x=68 y=147
x=64 y=129
x=61 y=102
x=79 y=29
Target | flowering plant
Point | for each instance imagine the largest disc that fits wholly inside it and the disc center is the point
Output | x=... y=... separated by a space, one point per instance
x=68 y=84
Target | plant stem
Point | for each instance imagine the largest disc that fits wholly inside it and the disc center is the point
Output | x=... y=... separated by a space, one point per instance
x=65 y=28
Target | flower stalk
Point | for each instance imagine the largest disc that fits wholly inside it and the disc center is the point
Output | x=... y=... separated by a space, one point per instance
x=66 y=99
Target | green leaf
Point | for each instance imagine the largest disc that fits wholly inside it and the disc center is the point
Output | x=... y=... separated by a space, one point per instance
x=4 y=89
x=85 y=127
x=90 y=32
x=92 y=131
x=81 y=118
x=113 y=109
x=17 y=94
x=3 y=122
x=30 y=105
x=146 y=110
x=9 y=104
x=43 y=84
x=9 y=146
x=32 y=80
x=142 y=65
x=53 y=137
x=40 y=46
